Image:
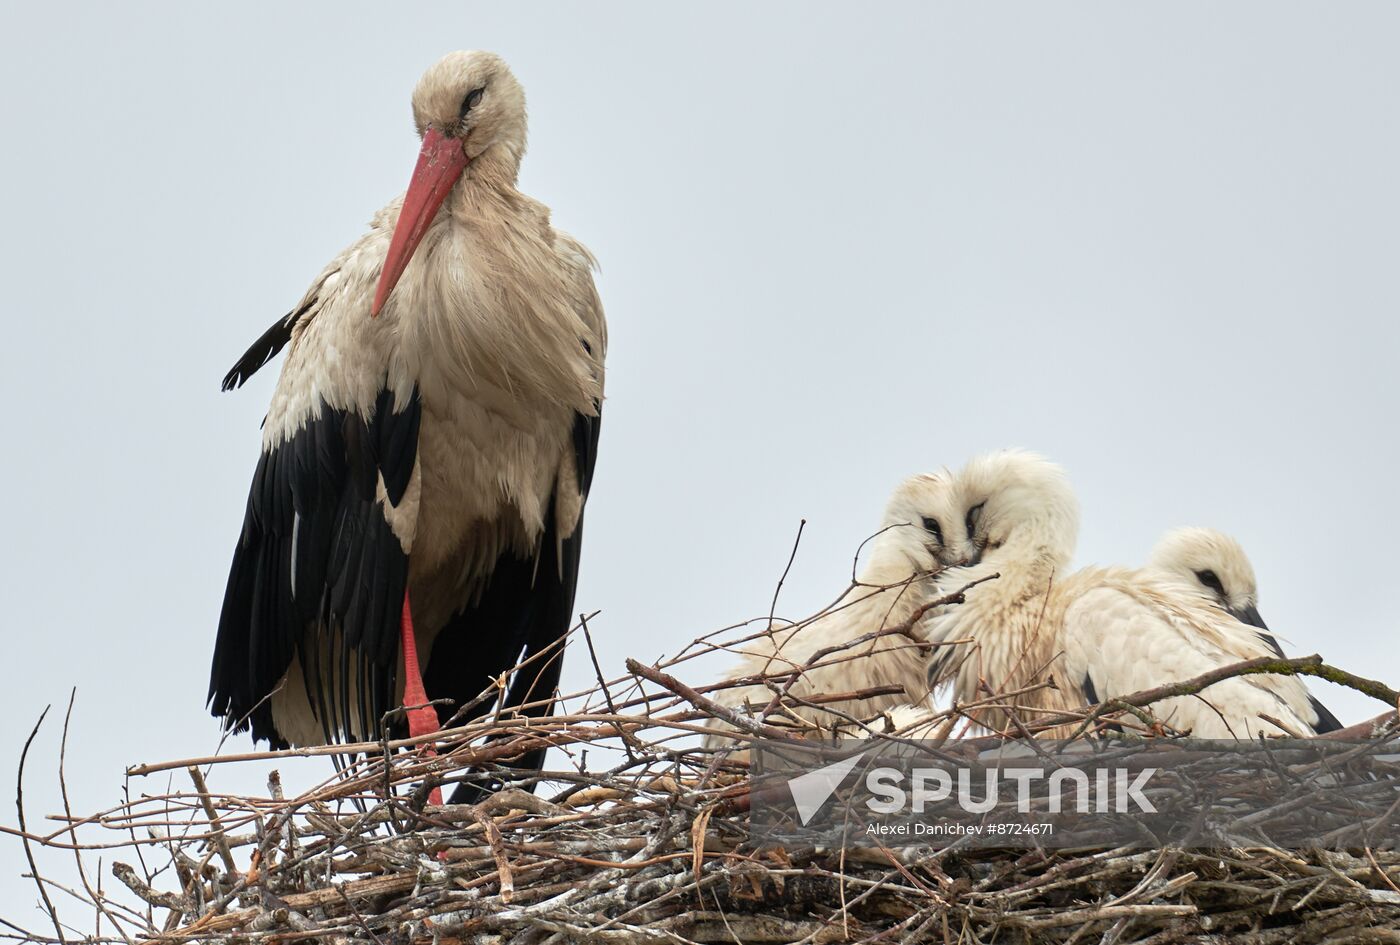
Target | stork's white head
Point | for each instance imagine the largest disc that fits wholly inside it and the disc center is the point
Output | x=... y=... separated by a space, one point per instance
x=1214 y=566
x=924 y=529
x=468 y=108
x=472 y=97
x=1019 y=506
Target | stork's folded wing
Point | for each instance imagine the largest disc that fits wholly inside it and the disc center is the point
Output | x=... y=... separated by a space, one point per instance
x=318 y=579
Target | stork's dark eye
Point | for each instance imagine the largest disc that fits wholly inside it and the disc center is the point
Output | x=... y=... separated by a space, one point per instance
x=933 y=528
x=472 y=100
x=1210 y=580
x=973 y=514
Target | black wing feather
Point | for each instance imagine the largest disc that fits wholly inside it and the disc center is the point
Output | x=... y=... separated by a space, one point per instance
x=395 y=445
x=1326 y=721
x=318 y=571
x=1091 y=695
x=585 y=439
x=265 y=348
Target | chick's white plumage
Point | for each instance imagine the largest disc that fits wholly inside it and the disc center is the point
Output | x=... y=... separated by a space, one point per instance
x=892 y=587
x=1213 y=566
x=1024 y=522
x=1098 y=633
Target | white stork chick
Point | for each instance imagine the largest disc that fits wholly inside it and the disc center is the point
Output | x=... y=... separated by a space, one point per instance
x=431 y=439
x=1016 y=519
x=895 y=582
x=1099 y=632
x=1214 y=565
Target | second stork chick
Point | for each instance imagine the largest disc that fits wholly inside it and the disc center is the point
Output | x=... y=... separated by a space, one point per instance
x=917 y=538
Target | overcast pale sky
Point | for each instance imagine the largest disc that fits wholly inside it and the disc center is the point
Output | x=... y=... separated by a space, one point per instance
x=1154 y=242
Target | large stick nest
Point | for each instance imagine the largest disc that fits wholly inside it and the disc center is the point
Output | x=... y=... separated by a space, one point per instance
x=647 y=839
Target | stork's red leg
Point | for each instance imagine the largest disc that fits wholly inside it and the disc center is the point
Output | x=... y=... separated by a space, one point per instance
x=422 y=718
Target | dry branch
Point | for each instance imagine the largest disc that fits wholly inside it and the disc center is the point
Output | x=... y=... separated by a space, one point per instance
x=652 y=844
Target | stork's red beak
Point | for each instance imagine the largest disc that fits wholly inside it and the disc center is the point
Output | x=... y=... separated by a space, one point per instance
x=440 y=163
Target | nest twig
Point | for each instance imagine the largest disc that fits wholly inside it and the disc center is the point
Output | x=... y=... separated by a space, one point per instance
x=647 y=840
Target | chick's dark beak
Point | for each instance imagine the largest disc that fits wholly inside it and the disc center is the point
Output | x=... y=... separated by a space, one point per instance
x=1249 y=614
x=965 y=557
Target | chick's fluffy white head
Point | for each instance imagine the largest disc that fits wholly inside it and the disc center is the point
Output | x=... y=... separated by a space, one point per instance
x=1212 y=563
x=923 y=530
x=1019 y=505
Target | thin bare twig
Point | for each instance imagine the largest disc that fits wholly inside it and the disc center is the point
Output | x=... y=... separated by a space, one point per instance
x=773 y=607
x=24 y=830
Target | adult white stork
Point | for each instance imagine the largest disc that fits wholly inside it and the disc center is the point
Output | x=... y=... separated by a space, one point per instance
x=1099 y=632
x=428 y=451
x=895 y=582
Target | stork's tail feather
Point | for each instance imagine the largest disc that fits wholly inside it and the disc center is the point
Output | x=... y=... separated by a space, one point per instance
x=1326 y=721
